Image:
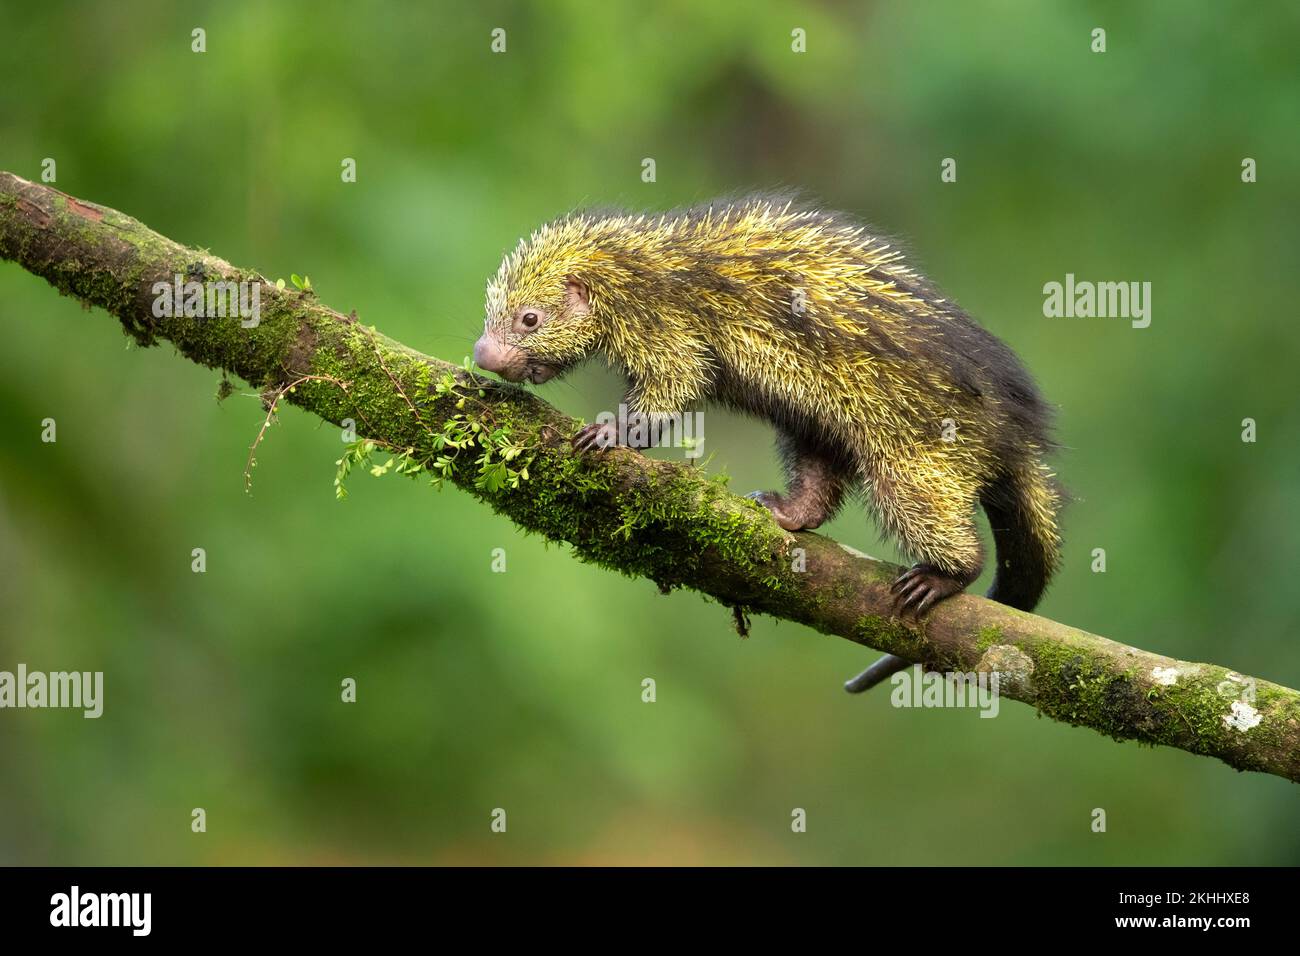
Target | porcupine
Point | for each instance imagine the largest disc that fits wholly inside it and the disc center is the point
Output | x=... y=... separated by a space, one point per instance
x=799 y=316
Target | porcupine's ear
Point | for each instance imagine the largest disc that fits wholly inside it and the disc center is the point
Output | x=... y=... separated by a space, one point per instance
x=576 y=295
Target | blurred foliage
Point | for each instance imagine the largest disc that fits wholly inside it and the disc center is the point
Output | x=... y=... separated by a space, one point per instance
x=522 y=690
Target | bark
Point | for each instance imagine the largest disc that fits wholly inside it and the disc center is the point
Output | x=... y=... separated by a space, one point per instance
x=665 y=521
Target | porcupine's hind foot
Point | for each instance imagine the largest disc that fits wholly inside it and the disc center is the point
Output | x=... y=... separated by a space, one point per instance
x=788 y=514
x=816 y=488
x=806 y=507
x=922 y=586
x=928 y=506
x=919 y=588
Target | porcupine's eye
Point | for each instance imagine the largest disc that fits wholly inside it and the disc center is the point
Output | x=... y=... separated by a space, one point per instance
x=528 y=320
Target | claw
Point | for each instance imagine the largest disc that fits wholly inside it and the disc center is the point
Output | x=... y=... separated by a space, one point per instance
x=903 y=579
x=772 y=502
x=921 y=587
x=594 y=437
x=915 y=592
x=927 y=602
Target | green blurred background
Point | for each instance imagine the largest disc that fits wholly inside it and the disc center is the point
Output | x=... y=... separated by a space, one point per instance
x=523 y=690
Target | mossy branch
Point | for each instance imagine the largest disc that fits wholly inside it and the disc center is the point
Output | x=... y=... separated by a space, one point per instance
x=660 y=520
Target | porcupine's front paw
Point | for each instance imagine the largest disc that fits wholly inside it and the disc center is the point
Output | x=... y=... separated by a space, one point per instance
x=922 y=586
x=777 y=505
x=595 y=437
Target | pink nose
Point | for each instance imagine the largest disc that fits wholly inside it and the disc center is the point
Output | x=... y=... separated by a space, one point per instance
x=489 y=354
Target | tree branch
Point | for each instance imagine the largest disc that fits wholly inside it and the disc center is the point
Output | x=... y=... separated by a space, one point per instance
x=660 y=520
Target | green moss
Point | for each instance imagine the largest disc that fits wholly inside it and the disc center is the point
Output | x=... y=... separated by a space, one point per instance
x=1079 y=687
x=988 y=636
x=666 y=524
x=892 y=636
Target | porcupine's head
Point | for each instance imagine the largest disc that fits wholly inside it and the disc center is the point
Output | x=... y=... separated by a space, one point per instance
x=539 y=318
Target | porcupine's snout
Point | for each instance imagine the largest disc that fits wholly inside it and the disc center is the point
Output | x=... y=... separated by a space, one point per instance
x=510 y=361
x=493 y=355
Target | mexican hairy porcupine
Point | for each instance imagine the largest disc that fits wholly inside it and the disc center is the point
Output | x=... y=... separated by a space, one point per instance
x=872 y=380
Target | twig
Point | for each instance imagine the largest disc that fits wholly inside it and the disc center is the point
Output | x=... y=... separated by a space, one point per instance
x=277 y=394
